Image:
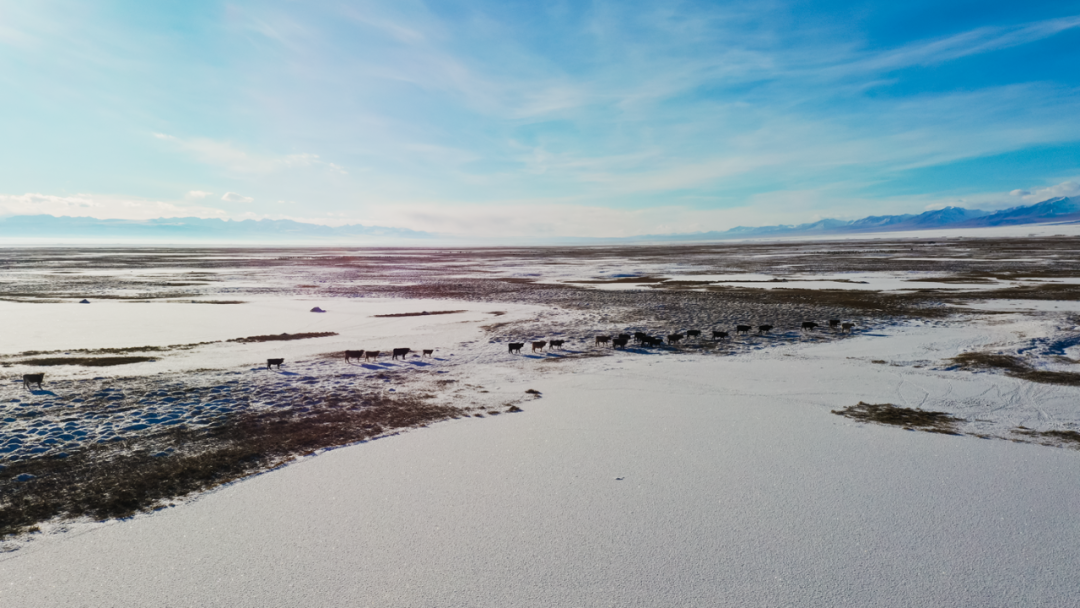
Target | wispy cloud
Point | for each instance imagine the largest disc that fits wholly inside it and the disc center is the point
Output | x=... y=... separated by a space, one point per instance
x=1037 y=195
x=100 y=206
x=227 y=156
x=232 y=197
x=639 y=114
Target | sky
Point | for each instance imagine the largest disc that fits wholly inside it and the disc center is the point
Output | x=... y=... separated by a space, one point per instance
x=509 y=118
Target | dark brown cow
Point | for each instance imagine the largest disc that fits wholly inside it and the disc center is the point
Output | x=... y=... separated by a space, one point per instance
x=742 y=329
x=557 y=344
x=651 y=341
x=29 y=379
x=276 y=362
x=619 y=342
x=602 y=340
x=515 y=347
x=764 y=329
x=539 y=346
x=400 y=352
x=846 y=327
x=428 y=352
x=353 y=354
x=675 y=338
x=834 y=323
x=808 y=325
x=719 y=334
x=371 y=355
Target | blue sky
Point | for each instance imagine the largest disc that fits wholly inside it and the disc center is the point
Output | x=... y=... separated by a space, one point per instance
x=533 y=118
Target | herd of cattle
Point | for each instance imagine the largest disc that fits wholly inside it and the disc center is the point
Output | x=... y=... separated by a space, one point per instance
x=619 y=341
x=643 y=339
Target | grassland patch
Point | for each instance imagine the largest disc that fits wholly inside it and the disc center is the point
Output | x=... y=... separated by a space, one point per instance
x=122 y=478
x=85 y=361
x=907 y=418
x=1014 y=367
x=1066 y=438
x=284 y=337
x=422 y=314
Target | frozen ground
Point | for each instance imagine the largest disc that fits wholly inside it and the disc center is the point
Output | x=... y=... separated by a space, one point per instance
x=633 y=482
x=710 y=473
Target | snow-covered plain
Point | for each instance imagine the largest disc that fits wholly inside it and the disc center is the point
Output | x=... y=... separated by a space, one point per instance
x=708 y=475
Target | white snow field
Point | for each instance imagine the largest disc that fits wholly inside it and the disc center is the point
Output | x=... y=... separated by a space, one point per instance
x=633 y=481
x=709 y=473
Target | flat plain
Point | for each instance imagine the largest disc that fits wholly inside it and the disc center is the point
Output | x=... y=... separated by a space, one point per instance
x=929 y=450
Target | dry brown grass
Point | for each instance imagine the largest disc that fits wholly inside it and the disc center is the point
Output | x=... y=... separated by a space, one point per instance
x=122 y=478
x=281 y=337
x=618 y=281
x=422 y=314
x=1060 y=438
x=1015 y=367
x=85 y=361
x=115 y=351
x=910 y=419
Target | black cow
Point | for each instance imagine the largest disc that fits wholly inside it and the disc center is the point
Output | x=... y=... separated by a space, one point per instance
x=370 y=355
x=619 y=342
x=557 y=344
x=400 y=352
x=515 y=347
x=641 y=337
x=693 y=333
x=353 y=354
x=719 y=334
x=742 y=329
x=674 y=338
x=808 y=325
x=29 y=379
x=764 y=329
x=846 y=327
x=428 y=352
x=834 y=323
x=276 y=362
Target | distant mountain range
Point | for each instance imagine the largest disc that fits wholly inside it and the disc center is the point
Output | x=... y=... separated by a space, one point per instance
x=1055 y=210
x=191 y=228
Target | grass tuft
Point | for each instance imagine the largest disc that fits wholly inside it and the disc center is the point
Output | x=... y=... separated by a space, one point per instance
x=894 y=415
x=1058 y=437
x=283 y=337
x=422 y=314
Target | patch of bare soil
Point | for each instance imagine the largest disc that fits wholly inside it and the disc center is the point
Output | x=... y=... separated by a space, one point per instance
x=907 y=418
x=284 y=337
x=955 y=279
x=85 y=361
x=116 y=351
x=619 y=281
x=1015 y=367
x=1055 y=438
x=422 y=314
x=122 y=478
